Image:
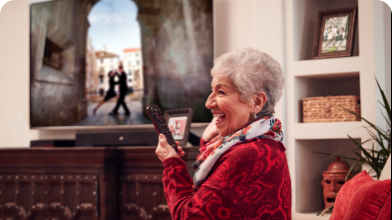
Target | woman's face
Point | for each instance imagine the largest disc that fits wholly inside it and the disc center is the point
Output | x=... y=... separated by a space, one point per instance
x=225 y=104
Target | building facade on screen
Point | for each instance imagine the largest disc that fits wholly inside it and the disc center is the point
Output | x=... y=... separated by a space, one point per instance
x=133 y=65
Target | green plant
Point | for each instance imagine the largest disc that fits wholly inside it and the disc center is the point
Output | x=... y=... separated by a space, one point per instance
x=376 y=158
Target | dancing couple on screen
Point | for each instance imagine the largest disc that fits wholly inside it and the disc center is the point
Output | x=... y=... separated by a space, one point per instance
x=111 y=93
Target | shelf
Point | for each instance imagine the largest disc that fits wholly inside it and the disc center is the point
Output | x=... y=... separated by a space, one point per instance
x=328 y=130
x=326 y=66
x=305 y=15
x=308 y=77
x=324 y=85
x=309 y=167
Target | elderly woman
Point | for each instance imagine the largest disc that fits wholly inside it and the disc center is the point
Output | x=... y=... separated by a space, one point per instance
x=241 y=172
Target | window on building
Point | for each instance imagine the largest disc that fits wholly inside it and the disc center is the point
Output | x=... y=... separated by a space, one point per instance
x=52 y=55
x=138 y=62
x=129 y=80
x=101 y=77
x=101 y=60
x=130 y=72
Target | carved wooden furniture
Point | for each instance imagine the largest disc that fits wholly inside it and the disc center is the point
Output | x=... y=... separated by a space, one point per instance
x=141 y=194
x=83 y=183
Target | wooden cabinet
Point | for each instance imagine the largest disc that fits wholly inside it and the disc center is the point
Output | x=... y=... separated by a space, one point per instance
x=83 y=183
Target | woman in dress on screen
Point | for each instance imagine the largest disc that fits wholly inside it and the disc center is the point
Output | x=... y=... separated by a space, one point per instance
x=110 y=93
x=242 y=171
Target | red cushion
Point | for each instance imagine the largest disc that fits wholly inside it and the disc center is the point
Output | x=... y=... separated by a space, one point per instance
x=346 y=192
x=372 y=201
x=363 y=198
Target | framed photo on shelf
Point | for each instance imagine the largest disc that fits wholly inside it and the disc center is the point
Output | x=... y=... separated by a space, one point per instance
x=334 y=33
x=179 y=121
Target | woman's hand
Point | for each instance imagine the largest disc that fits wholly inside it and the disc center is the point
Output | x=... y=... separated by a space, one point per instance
x=211 y=131
x=165 y=151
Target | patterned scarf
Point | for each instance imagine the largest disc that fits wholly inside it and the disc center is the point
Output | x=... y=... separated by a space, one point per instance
x=267 y=127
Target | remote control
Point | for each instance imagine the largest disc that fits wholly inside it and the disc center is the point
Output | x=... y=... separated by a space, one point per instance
x=160 y=124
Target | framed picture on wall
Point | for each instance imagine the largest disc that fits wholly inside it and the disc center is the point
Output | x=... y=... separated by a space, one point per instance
x=179 y=121
x=334 y=33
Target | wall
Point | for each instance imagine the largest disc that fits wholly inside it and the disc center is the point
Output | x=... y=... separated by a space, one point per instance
x=388 y=48
x=382 y=47
x=245 y=23
x=14 y=77
x=251 y=23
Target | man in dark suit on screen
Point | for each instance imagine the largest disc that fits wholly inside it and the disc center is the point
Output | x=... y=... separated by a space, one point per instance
x=123 y=92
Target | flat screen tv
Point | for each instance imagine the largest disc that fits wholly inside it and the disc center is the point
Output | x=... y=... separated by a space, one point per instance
x=97 y=63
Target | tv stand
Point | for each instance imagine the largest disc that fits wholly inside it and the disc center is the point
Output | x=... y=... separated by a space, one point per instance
x=96 y=183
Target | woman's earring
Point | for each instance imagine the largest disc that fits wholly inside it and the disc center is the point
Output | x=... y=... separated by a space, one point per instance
x=254 y=116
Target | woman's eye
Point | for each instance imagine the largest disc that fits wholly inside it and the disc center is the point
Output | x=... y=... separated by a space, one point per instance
x=221 y=92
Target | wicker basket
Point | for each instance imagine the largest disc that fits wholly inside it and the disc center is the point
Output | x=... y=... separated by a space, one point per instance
x=329 y=109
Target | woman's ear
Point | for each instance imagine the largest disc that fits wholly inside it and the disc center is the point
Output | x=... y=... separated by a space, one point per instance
x=259 y=101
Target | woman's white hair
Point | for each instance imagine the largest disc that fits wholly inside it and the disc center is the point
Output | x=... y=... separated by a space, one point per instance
x=252 y=72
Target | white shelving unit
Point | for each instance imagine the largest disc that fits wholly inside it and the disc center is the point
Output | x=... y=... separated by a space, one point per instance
x=336 y=76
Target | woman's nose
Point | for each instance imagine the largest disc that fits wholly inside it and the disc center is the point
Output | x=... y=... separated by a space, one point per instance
x=210 y=103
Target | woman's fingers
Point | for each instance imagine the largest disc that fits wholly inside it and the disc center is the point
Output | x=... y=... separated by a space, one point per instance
x=180 y=152
x=162 y=140
x=164 y=150
x=211 y=131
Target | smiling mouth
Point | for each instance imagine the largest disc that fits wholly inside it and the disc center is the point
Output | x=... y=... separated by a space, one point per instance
x=220 y=117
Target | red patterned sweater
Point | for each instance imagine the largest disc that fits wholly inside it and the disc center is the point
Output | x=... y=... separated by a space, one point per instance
x=250 y=181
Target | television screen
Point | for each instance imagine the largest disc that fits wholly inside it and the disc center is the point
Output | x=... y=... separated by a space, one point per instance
x=103 y=62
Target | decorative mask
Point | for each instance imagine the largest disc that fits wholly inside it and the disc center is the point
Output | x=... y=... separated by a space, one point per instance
x=333 y=180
